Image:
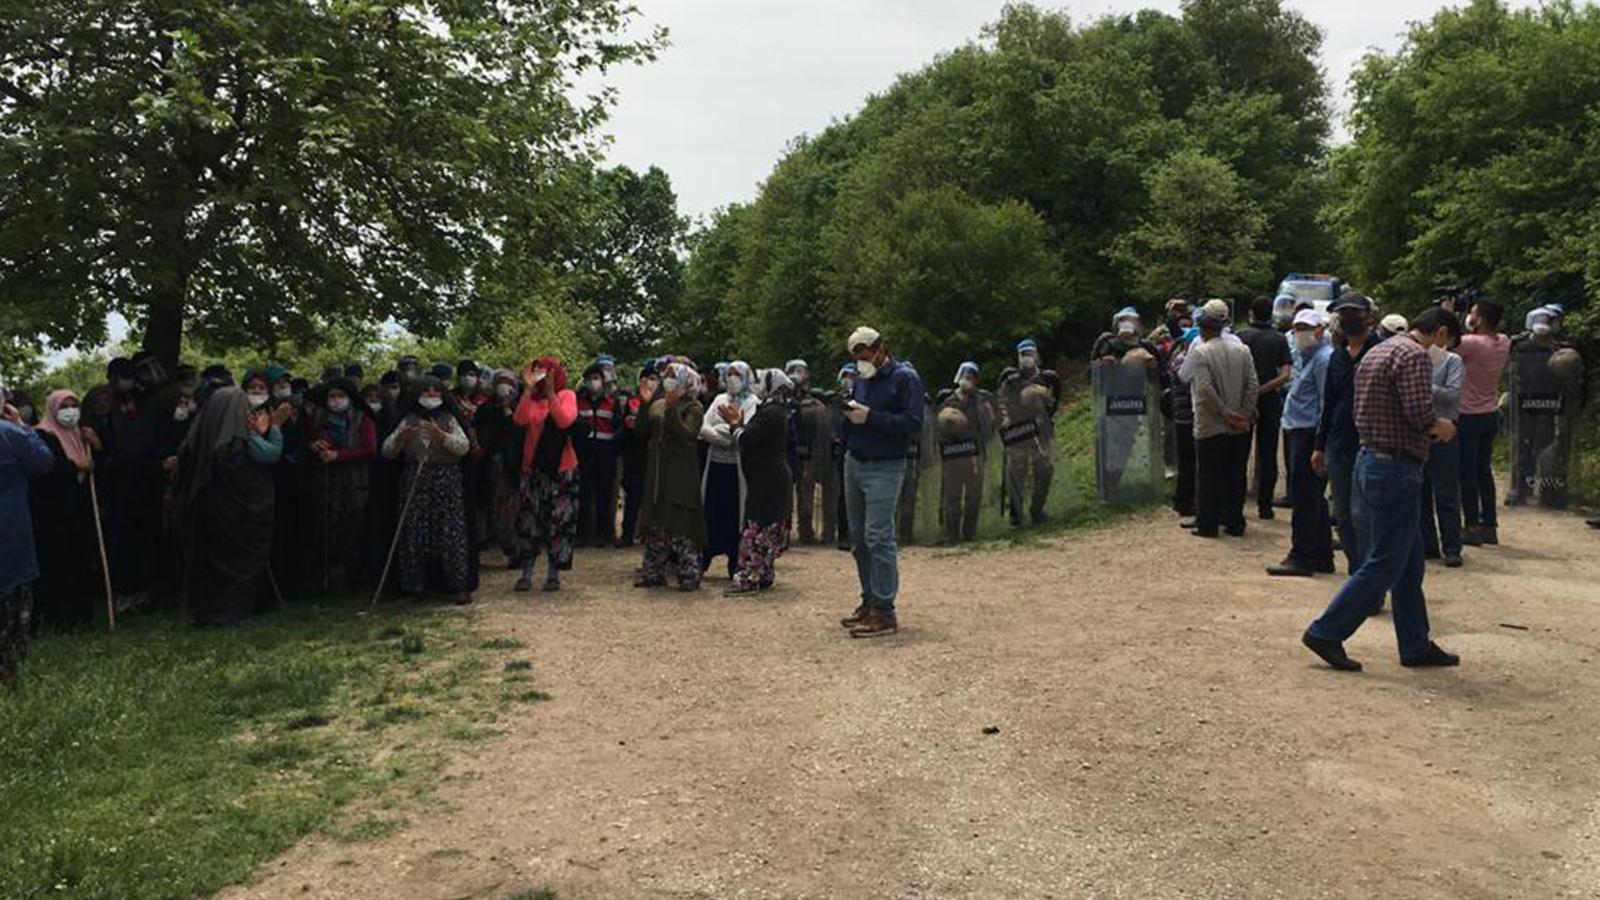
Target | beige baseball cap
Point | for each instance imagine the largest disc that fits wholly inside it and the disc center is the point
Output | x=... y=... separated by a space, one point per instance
x=861 y=337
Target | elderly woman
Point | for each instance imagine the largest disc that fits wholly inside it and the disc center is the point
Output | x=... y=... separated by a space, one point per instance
x=500 y=440
x=763 y=441
x=723 y=484
x=227 y=503
x=547 y=518
x=345 y=441
x=63 y=521
x=430 y=441
x=672 y=525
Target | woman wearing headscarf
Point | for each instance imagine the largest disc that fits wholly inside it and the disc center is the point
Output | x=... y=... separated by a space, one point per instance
x=63 y=520
x=547 y=516
x=672 y=525
x=762 y=439
x=345 y=441
x=500 y=439
x=430 y=441
x=723 y=484
x=226 y=506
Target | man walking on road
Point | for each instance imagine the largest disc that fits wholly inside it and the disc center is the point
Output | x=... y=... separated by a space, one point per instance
x=1395 y=419
x=1223 y=392
x=1269 y=348
x=1311 y=537
x=883 y=415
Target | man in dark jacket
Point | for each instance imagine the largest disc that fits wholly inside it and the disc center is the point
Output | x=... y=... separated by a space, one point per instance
x=883 y=415
x=1334 y=449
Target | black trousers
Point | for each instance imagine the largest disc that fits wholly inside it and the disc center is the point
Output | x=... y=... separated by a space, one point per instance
x=632 y=496
x=1269 y=419
x=597 y=504
x=1183 y=501
x=1311 y=532
x=1224 y=462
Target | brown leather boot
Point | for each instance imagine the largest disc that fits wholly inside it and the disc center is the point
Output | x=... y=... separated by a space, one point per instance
x=855 y=618
x=877 y=623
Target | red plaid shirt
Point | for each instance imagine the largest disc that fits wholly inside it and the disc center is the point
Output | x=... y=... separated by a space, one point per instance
x=1394 y=398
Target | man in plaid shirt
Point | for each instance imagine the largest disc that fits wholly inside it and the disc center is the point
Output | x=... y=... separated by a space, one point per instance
x=1394 y=416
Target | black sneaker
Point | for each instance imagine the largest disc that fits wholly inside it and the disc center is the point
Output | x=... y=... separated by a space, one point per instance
x=523 y=584
x=1331 y=652
x=1452 y=561
x=1266 y=514
x=1326 y=567
x=1435 y=657
x=552 y=584
x=1472 y=536
x=1491 y=535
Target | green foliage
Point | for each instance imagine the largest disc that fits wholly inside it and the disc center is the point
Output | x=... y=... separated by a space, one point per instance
x=163 y=761
x=1050 y=138
x=230 y=170
x=698 y=326
x=632 y=274
x=1201 y=236
x=1476 y=156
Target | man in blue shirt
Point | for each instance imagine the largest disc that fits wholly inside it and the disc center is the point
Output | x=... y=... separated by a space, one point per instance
x=1337 y=441
x=883 y=415
x=1311 y=535
x=23 y=454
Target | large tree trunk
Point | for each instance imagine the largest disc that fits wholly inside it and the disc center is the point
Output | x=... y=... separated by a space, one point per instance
x=163 y=327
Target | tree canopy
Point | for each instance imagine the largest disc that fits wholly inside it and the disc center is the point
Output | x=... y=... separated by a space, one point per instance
x=983 y=198
x=1475 y=157
x=225 y=169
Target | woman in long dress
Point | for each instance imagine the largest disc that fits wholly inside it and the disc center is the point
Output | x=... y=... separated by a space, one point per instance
x=226 y=504
x=63 y=520
x=723 y=484
x=763 y=442
x=430 y=441
x=672 y=524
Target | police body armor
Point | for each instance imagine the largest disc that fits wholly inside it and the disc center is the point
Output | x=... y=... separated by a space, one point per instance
x=1027 y=432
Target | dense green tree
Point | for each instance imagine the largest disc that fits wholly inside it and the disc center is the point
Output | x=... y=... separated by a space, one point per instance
x=226 y=169
x=1201 y=237
x=1475 y=156
x=1063 y=123
x=631 y=273
x=697 y=326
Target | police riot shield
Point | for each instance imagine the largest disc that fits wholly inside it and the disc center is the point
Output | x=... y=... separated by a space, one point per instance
x=1128 y=432
x=1542 y=413
x=961 y=471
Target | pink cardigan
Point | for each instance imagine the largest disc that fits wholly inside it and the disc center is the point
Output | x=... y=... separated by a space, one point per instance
x=531 y=414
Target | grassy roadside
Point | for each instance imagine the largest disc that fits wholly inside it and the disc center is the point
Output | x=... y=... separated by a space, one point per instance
x=168 y=762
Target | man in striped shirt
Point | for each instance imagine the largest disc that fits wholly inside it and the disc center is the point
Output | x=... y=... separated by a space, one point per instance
x=1395 y=418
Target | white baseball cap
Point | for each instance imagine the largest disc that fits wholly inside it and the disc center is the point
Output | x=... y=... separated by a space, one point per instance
x=861 y=337
x=1309 y=317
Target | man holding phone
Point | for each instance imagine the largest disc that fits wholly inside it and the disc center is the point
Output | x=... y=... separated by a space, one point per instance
x=882 y=416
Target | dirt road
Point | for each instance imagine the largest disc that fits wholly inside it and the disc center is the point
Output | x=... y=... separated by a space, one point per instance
x=1161 y=734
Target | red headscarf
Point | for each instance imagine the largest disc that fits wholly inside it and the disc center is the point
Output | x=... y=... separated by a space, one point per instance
x=553 y=371
x=71 y=439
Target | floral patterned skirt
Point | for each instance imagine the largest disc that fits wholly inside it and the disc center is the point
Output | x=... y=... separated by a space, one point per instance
x=759 y=549
x=547 y=518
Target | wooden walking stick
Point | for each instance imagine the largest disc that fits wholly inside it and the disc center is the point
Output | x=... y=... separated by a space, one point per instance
x=105 y=565
x=399 y=526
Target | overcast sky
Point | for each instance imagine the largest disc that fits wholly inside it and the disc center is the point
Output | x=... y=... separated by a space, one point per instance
x=743 y=77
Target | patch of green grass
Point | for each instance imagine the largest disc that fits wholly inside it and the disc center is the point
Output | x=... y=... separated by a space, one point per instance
x=162 y=761
x=518 y=665
x=501 y=643
x=527 y=696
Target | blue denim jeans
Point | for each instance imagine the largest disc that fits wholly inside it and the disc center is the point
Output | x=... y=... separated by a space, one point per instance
x=1340 y=458
x=1387 y=505
x=871 y=499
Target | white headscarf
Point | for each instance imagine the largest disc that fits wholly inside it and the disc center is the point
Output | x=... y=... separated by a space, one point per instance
x=769 y=382
x=746 y=376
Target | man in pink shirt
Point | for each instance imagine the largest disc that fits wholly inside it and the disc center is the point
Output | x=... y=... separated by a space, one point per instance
x=1484 y=351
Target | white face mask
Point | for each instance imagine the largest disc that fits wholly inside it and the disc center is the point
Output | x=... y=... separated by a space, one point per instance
x=375 y=405
x=1028 y=362
x=504 y=391
x=735 y=384
x=539 y=376
x=282 y=391
x=1436 y=353
x=469 y=382
x=257 y=398
x=1542 y=329
x=180 y=413
x=1306 y=339
x=392 y=393
x=338 y=404
x=124 y=385
x=69 y=417
x=967 y=384
x=595 y=385
x=1127 y=327
x=670 y=384
x=430 y=402
x=866 y=369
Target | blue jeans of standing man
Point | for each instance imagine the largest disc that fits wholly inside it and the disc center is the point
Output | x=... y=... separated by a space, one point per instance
x=872 y=499
x=1387 y=506
x=1340 y=458
x=1441 y=500
x=1477 y=468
